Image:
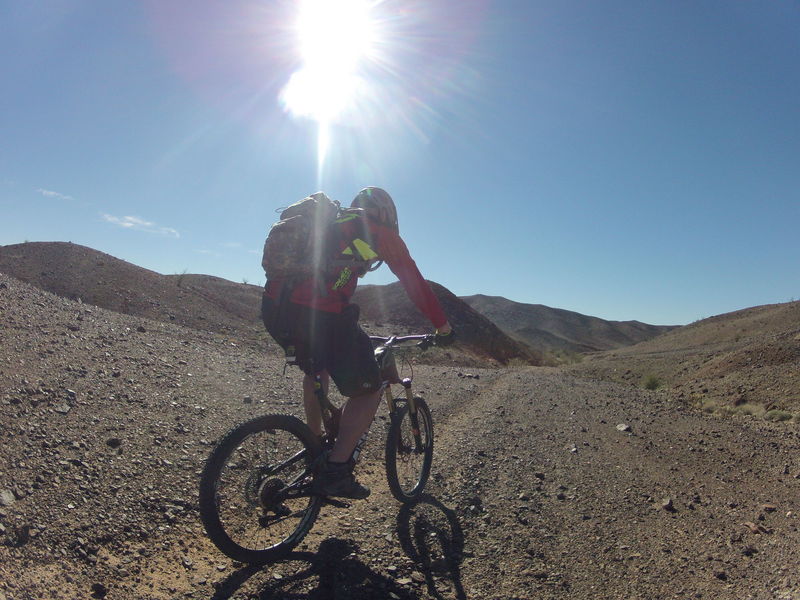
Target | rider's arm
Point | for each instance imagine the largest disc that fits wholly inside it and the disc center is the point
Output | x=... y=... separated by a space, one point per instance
x=393 y=250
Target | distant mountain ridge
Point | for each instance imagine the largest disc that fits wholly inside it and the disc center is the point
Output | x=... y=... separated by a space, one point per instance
x=553 y=329
x=390 y=304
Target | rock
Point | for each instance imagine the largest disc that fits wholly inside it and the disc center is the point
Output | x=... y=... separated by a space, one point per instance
x=757 y=529
x=21 y=535
x=624 y=427
x=99 y=590
x=7 y=498
x=667 y=504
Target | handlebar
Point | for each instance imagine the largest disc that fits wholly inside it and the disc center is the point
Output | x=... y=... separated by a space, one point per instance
x=424 y=341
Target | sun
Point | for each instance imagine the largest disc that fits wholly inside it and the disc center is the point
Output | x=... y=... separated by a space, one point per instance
x=334 y=37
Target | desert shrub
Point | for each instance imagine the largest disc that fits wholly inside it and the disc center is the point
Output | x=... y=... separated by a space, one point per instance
x=778 y=415
x=755 y=410
x=651 y=382
x=708 y=405
x=725 y=411
x=557 y=358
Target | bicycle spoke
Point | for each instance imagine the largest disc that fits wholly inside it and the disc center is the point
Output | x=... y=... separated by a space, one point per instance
x=409 y=452
x=259 y=505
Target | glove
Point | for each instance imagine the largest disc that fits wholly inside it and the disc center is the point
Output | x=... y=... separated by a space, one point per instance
x=445 y=339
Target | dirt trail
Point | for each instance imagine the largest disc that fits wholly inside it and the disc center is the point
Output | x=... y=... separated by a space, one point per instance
x=537 y=493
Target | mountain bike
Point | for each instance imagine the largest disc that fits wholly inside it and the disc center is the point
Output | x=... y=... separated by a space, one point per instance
x=255 y=489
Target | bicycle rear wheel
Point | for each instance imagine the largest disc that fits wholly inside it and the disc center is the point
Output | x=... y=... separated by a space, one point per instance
x=409 y=450
x=253 y=502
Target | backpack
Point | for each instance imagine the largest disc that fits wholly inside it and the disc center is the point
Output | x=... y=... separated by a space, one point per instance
x=300 y=244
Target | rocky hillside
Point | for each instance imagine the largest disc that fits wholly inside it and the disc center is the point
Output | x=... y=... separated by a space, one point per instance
x=80 y=273
x=553 y=329
x=216 y=305
x=747 y=361
x=390 y=304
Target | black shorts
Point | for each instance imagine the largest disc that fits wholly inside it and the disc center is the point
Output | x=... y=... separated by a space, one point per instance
x=326 y=342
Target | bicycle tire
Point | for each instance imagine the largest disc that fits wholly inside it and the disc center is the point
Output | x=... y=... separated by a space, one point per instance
x=239 y=488
x=408 y=466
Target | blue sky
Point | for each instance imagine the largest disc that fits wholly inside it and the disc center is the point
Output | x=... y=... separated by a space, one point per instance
x=622 y=159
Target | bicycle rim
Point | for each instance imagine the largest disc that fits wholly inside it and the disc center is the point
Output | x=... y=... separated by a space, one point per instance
x=242 y=502
x=408 y=458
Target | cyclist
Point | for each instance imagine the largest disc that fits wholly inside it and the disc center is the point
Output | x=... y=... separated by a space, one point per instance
x=318 y=322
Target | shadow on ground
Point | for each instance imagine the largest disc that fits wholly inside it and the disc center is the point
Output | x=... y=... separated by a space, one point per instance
x=429 y=534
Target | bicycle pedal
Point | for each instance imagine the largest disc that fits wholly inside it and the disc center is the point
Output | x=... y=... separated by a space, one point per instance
x=337 y=503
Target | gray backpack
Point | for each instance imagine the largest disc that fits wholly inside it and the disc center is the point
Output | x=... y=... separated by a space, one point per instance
x=297 y=245
x=302 y=244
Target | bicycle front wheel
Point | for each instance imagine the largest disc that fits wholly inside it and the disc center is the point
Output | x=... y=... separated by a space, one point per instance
x=253 y=490
x=409 y=450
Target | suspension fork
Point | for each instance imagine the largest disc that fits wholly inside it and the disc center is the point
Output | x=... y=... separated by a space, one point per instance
x=412 y=413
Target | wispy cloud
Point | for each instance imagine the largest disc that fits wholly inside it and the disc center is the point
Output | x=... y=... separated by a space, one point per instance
x=231 y=244
x=138 y=224
x=55 y=195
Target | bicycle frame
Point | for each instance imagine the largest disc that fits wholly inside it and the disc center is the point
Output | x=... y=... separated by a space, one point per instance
x=331 y=413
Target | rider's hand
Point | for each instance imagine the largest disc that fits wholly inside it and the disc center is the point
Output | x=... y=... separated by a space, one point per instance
x=445 y=335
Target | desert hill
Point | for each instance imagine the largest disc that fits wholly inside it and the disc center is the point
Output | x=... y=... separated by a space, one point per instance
x=216 y=305
x=553 y=329
x=93 y=277
x=744 y=361
x=390 y=304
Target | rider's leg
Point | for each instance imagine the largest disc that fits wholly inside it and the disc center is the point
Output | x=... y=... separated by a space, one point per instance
x=310 y=403
x=356 y=418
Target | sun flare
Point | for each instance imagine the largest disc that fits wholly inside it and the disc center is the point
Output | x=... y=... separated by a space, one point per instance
x=333 y=37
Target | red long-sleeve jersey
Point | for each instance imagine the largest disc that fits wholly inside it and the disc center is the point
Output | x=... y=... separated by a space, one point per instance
x=371 y=241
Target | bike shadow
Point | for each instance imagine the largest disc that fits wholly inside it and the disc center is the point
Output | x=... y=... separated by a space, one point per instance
x=431 y=536
x=335 y=567
x=429 y=533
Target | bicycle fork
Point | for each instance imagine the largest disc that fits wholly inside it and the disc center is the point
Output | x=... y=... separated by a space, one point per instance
x=412 y=414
